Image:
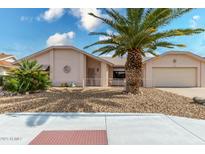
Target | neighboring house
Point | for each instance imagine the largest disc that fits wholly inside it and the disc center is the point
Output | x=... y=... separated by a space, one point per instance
x=69 y=64
x=6 y=63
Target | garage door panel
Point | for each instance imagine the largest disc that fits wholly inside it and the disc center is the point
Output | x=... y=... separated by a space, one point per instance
x=174 y=77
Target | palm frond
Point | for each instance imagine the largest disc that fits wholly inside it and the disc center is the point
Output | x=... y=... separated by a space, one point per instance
x=105 y=49
x=118 y=25
x=164 y=44
x=107 y=41
x=103 y=34
x=116 y=16
x=140 y=29
x=150 y=51
x=135 y=16
x=105 y=20
x=177 y=32
x=153 y=18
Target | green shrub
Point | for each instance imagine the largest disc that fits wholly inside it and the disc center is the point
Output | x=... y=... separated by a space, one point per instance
x=29 y=77
x=64 y=84
x=72 y=84
x=11 y=84
x=1 y=80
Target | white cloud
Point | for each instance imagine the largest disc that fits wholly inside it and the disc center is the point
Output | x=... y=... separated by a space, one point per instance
x=60 y=39
x=52 y=14
x=49 y=15
x=26 y=18
x=194 y=21
x=105 y=37
x=86 y=21
x=196 y=17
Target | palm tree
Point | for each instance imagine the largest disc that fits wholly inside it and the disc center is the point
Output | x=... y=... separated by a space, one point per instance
x=137 y=33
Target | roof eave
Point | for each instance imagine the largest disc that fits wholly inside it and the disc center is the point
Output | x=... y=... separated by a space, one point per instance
x=8 y=57
x=178 y=53
x=63 y=47
x=7 y=66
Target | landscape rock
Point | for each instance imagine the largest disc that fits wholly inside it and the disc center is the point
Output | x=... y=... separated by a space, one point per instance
x=1 y=93
x=199 y=100
x=58 y=99
x=4 y=93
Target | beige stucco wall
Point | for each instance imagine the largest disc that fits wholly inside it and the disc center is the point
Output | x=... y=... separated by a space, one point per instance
x=95 y=79
x=202 y=74
x=144 y=75
x=167 y=61
x=83 y=70
x=79 y=63
x=43 y=59
x=92 y=63
x=67 y=58
x=110 y=74
x=3 y=71
x=59 y=58
x=104 y=74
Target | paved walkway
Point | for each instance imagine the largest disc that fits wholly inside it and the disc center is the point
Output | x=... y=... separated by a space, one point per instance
x=22 y=128
x=187 y=92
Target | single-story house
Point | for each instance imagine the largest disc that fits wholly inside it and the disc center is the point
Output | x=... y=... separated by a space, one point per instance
x=6 y=63
x=67 y=64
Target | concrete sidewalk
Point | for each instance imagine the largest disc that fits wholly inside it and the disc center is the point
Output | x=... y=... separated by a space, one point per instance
x=187 y=92
x=122 y=128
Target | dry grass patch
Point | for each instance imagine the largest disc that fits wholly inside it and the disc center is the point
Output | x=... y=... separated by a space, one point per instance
x=103 y=100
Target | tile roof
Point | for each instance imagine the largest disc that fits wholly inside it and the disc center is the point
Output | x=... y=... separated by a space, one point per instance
x=118 y=61
x=3 y=55
x=6 y=64
x=3 y=62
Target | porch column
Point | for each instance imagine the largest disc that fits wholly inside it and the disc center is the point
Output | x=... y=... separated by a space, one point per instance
x=104 y=75
x=82 y=69
x=52 y=66
x=148 y=76
x=202 y=74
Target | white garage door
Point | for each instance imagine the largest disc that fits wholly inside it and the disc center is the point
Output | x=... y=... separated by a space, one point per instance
x=173 y=77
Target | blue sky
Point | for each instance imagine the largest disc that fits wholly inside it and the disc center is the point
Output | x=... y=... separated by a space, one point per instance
x=25 y=31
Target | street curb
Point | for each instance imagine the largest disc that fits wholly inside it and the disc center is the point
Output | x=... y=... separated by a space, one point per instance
x=80 y=114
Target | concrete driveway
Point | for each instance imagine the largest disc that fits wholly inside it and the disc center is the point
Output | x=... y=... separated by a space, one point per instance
x=121 y=128
x=187 y=92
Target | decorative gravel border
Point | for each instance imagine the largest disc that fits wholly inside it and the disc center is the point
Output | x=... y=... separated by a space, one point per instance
x=104 y=100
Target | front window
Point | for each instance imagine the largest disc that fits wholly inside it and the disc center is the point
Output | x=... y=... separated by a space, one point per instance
x=119 y=74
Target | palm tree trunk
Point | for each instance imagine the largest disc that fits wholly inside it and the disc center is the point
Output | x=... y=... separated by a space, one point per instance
x=133 y=70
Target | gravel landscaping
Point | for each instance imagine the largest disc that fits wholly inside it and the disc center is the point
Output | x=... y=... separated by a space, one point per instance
x=103 y=100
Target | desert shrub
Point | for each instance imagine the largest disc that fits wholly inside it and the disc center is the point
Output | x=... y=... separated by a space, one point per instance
x=64 y=84
x=72 y=84
x=1 y=79
x=68 y=84
x=11 y=84
x=28 y=77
